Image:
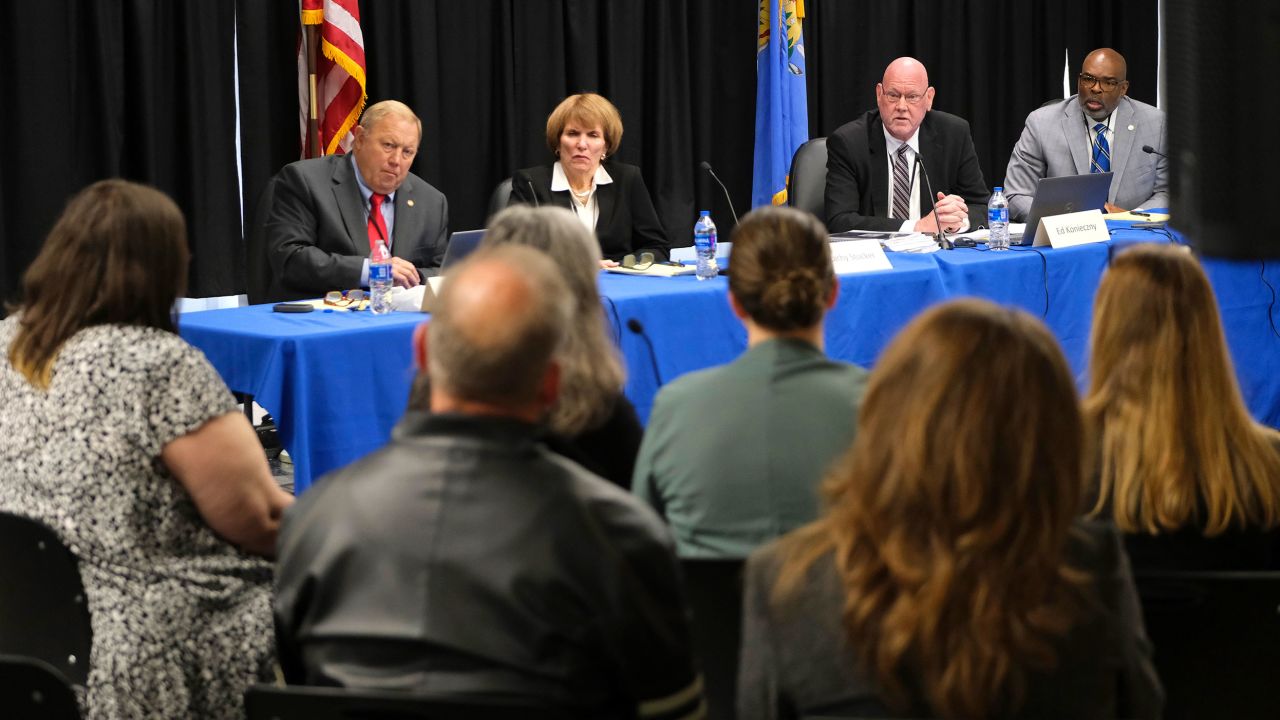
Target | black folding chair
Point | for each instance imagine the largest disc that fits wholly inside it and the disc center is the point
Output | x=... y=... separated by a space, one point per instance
x=297 y=702
x=1217 y=641
x=43 y=610
x=714 y=591
x=808 y=178
x=32 y=690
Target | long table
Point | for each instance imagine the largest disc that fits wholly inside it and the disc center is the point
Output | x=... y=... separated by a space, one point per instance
x=337 y=382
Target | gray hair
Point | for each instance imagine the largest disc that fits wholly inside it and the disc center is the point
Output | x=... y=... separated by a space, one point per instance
x=494 y=347
x=592 y=374
x=379 y=111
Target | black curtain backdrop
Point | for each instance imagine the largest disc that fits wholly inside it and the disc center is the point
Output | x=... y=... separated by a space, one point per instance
x=145 y=89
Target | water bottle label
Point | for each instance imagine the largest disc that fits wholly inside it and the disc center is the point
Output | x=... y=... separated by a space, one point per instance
x=379 y=272
x=997 y=214
x=704 y=241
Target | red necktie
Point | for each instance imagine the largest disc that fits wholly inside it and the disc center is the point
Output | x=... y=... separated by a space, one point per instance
x=377 y=224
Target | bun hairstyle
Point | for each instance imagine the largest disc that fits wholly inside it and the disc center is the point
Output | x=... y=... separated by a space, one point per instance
x=782 y=273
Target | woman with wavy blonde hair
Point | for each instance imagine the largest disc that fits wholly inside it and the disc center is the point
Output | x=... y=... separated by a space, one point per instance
x=1182 y=468
x=949 y=575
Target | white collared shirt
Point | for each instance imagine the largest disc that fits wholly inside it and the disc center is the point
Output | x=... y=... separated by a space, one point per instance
x=891 y=145
x=589 y=213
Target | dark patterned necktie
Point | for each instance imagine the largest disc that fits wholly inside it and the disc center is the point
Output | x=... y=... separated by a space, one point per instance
x=1101 y=150
x=901 y=186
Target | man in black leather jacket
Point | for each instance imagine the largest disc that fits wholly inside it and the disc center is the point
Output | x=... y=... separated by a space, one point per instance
x=467 y=561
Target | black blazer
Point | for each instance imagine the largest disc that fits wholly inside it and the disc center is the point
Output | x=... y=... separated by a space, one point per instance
x=857 y=196
x=317 y=236
x=627 y=223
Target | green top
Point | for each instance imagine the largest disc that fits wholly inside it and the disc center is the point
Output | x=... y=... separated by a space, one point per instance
x=732 y=456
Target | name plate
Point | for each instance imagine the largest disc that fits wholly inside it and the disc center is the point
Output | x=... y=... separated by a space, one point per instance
x=856 y=256
x=1078 y=228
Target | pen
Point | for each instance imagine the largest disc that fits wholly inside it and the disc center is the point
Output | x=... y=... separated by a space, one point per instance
x=1139 y=213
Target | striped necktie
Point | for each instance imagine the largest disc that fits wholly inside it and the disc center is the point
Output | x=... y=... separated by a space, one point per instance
x=901 y=186
x=1101 y=150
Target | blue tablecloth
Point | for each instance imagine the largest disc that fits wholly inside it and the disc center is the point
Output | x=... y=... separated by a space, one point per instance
x=337 y=382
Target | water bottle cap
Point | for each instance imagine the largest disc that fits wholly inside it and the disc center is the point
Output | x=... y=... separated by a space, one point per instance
x=704 y=212
x=999 y=188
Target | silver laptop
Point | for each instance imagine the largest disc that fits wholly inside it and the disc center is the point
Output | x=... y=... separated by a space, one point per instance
x=1062 y=195
x=461 y=244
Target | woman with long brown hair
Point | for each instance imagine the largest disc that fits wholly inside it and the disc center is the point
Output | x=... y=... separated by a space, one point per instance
x=123 y=438
x=949 y=575
x=1182 y=469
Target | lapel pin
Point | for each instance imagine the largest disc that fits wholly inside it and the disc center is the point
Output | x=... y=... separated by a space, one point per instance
x=1130 y=130
x=410 y=203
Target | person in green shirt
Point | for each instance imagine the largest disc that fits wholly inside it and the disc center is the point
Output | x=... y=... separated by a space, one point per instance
x=732 y=456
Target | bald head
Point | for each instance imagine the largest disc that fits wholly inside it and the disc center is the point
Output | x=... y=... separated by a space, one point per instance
x=904 y=97
x=906 y=69
x=497 y=327
x=1103 y=80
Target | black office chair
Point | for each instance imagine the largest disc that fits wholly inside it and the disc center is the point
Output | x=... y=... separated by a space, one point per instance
x=1217 y=641
x=500 y=198
x=807 y=181
x=714 y=591
x=43 y=610
x=257 y=267
x=32 y=690
x=297 y=702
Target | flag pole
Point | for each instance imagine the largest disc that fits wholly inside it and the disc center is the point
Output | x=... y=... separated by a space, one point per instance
x=314 y=148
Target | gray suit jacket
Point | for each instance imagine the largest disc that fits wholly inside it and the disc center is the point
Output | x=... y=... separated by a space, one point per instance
x=317 y=236
x=1055 y=142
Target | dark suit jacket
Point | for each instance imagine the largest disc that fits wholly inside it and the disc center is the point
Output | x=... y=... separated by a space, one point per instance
x=627 y=224
x=858 y=172
x=317 y=236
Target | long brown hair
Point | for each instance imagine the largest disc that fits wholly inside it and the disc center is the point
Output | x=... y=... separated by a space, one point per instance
x=1176 y=445
x=118 y=254
x=948 y=534
x=782 y=272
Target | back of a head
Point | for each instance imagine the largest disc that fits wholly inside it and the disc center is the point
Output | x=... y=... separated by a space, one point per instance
x=1164 y=405
x=591 y=368
x=117 y=254
x=499 y=322
x=782 y=272
x=950 y=537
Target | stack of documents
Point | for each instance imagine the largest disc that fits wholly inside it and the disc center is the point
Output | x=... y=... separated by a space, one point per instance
x=913 y=243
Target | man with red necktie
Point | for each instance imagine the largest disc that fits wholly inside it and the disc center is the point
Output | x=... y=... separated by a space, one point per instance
x=329 y=212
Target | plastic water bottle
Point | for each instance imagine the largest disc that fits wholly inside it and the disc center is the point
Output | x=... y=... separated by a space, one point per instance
x=998 y=220
x=380 y=279
x=704 y=241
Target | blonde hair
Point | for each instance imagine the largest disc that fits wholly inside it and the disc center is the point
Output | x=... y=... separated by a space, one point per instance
x=587 y=110
x=949 y=539
x=591 y=369
x=1176 y=445
x=379 y=111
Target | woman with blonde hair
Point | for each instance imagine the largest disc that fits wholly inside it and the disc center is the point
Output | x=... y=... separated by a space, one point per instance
x=607 y=197
x=1182 y=469
x=123 y=439
x=949 y=576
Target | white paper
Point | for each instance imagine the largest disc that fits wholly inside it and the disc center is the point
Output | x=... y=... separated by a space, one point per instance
x=855 y=256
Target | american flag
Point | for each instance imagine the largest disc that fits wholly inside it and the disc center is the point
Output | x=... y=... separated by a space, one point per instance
x=334 y=96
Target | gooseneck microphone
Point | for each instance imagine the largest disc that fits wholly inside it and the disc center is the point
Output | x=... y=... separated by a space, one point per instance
x=533 y=193
x=707 y=166
x=941 y=236
x=1152 y=151
x=637 y=327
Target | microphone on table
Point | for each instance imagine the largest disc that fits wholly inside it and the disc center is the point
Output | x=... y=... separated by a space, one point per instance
x=1152 y=151
x=533 y=193
x=637 y=327
x=941 y=236
x=707 y=166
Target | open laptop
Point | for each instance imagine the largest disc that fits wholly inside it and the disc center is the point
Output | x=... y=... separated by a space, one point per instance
x=461 y=244
x=1062 y=195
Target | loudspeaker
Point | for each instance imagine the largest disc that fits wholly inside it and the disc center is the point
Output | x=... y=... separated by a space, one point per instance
x=1220 y=60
